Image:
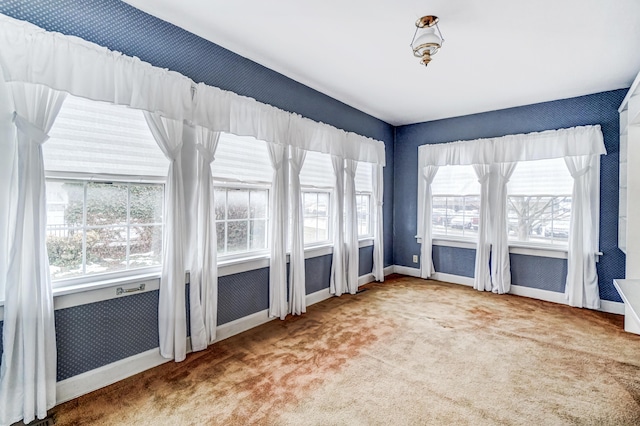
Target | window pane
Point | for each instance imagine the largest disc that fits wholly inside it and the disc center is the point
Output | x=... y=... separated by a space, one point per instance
x=363 y=210
x=310 y=201
x=146 y=203
x=145 y=246
x=238 y=204
x=323 y=229
x=323 y=204
x=539 y=219
x=259 y=202
x=65 y=204
x=237 y=236
x=220 y=200
x=106 y=204
x=258 y=235
x=310 y=227
x=221 y=235
x=106 y=250
x=65 y=252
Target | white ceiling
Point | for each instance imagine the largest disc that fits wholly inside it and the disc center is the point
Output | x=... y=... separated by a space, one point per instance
x=497 y=53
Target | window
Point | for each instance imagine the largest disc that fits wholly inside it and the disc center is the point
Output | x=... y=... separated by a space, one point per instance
x=539 y=202
x=242 y=175
x=100 y=227
x=317 y=180
x=105 y=191
x=241 y=219
x=364 y=192
x=455 y=202
x=316 y=216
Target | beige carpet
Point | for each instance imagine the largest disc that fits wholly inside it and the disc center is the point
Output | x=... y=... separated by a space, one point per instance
x=405 y=352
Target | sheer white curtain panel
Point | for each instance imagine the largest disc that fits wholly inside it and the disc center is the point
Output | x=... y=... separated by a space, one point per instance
x=297 y=292
x=482 y=276
x=338 y=282
x=8 y=178
x=378 y=228
x=172 y=320
x=427 y=174
x=352 y=248
x=582 y=278
x=278 y=219
x=203 y=287
x=500 y=265
x=28 y=372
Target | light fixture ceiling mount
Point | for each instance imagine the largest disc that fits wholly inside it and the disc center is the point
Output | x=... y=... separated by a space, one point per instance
x=427 y=43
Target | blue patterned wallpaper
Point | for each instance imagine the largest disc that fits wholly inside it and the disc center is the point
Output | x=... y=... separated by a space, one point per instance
x=452 y=260
x=544 y=273
x=599 y=108
x=93 y=335
x=1 y=338
x=318 y=273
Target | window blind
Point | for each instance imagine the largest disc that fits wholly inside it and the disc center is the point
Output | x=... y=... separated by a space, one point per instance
x=241 y=159
x=317 y=171
x=455 y=180
x=541 y=177
x=97 y=138
x=364 y=177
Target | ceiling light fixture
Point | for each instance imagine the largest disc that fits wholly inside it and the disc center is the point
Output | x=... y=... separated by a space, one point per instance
x=428 y=42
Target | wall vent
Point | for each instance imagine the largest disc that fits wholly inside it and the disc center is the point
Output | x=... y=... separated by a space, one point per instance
x=47 y=421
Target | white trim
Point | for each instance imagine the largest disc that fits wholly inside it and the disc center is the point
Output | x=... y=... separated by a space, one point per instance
x=536 y=293
x=455 y=279
x=106 y=375
x=76 y=297
x=318 y=251
x=389 y=270
x=405 y=270
x=439 y=241
x=612 y=307
x=95 y=379
x=237 y=266
x=240 y=325
x=552 y=252
x=365 y=279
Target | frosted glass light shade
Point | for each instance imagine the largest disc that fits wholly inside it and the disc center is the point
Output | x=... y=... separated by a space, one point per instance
x=428 y=39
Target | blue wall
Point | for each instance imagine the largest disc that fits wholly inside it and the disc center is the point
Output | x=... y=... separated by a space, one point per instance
x=599 y=108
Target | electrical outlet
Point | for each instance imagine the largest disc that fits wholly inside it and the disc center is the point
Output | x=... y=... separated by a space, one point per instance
x=415 y=258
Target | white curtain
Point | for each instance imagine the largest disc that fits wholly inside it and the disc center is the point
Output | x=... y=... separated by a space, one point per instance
x=278 y=220
x=378 y=229
x=482 y=277
x=338 y=282
x=582 y=279
x=8 y=184
x=172 y=319
x=352 y=248
x=28 y=372
x=500 y=265
x=203 y=288
x=297 y=290
x=427 y=174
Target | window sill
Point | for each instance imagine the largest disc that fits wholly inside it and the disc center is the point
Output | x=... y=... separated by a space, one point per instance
x=104 y=289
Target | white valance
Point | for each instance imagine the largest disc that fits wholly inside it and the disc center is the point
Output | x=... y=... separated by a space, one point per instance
x=66 y=63
x=571 y=142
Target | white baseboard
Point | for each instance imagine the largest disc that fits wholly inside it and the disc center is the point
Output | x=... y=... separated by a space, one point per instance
x=365 y=279
x=109 y=374
x=536 y=293
x=455 y=279
x=90 y=381
x=405 y=270
x=612 y=307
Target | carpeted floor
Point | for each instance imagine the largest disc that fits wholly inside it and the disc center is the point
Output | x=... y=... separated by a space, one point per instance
x=405 y=352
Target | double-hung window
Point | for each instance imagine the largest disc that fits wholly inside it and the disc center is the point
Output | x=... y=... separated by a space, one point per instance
x=455 y=202
x=539 y=202
x=364 y=196
x=316 y=180
x=242 y=175
x=105 y=190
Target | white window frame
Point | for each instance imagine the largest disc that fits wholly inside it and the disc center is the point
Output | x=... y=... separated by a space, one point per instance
x=329 y=192
x=439 y=236
x=369 y=235
x=88 y=280
x=248 y=254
